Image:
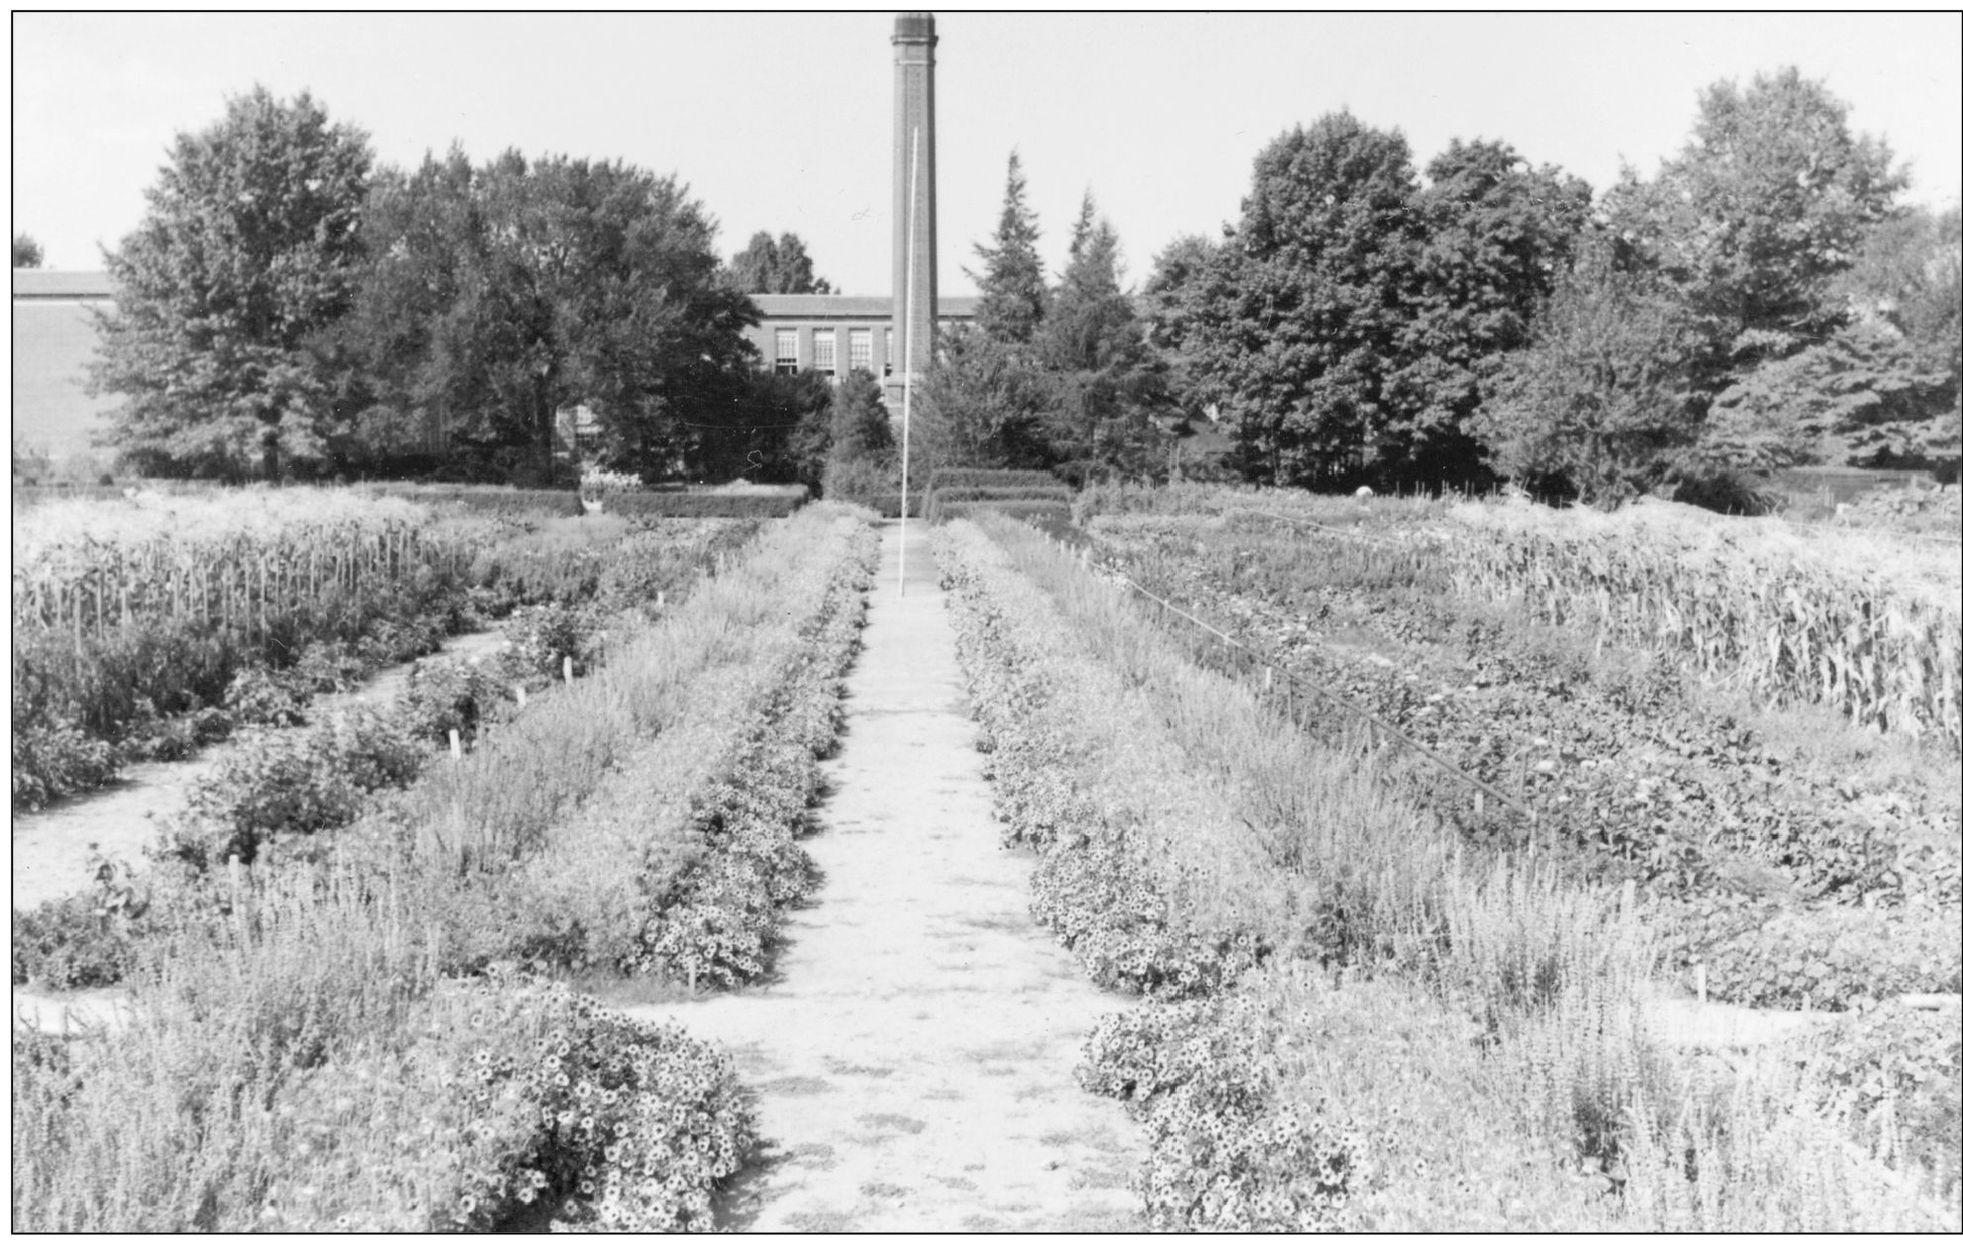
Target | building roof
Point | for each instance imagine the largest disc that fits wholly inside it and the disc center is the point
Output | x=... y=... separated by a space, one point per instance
x=838 y=306
x=40 y=282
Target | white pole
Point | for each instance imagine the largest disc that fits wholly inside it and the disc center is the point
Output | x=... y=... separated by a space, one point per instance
x=906 y=380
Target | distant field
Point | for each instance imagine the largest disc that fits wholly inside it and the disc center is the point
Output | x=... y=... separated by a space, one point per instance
x=53 y=342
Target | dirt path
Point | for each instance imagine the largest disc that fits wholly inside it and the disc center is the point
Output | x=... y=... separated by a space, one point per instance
x=914 y=1062
x=51 y=846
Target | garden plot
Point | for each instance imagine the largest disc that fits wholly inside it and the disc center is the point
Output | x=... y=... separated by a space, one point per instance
x=52 y=847
x=1516 y=1001
x=1749 y=845
x=351 y=982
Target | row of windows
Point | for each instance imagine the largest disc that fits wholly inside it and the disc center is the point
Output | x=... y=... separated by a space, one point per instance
x=824 y=350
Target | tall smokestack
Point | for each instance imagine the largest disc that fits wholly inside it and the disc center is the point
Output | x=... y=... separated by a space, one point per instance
x=913 y=112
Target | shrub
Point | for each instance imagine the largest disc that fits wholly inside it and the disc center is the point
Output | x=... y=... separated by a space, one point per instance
x=544 y=636
x=55 y=758
x=70 y=942
x=290 y=782
x=260 y=697
x=445 y=695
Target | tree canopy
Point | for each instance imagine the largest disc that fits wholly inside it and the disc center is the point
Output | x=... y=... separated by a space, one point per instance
x=1597 y=401
x=27 y=251
x=1497 y=234
x=1299 y=322
x=250 y=247
x=1772 y=197
x=504 y=294
x=776 y=265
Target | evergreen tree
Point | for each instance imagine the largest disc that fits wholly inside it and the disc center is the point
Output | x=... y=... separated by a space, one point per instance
x=250 y=248
x=861 y=426
x=1104 y=385
x=1013 y=296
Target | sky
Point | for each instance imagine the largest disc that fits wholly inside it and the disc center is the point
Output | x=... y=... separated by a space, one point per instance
x=784 y=121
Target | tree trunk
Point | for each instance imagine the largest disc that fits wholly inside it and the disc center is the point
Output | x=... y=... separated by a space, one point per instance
x=542 y=428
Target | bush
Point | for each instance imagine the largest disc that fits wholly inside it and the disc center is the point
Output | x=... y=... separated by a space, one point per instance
x=291 y=782
x=55 y=758
x=260 y=697
x=524 y=1106
x=71 y=942
x=445 y=695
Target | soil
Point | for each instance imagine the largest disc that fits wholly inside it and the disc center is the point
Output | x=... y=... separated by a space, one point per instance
x=51 y=846
x=913 y=1059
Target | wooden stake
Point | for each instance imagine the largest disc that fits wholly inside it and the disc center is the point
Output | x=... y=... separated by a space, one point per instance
x=456 y=745
x=569 y=670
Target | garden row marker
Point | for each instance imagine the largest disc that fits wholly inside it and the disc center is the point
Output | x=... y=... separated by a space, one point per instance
x=906 y=385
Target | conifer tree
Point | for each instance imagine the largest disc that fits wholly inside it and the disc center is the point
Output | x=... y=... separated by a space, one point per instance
x=1013 y=298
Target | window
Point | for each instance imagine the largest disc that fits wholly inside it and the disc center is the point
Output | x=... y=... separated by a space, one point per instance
x=824 y=351
x=787 y=351
x=858 y=344
x=889 y=351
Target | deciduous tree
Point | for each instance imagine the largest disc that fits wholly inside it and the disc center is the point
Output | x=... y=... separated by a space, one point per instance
x=505 y=294
x=1771 y=199
x=1301 y=318
x=1497 y=235
x=1597 y=402
x=251 y=246
x=27 y=251
x=776 y=265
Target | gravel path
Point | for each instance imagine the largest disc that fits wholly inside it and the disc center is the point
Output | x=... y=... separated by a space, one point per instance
x=914 y=1060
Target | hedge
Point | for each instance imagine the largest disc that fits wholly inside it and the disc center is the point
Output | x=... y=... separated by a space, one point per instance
x=888 y=504
x=966 y=477
x=758 y=502
x=1058 y=509
x=491 y=501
